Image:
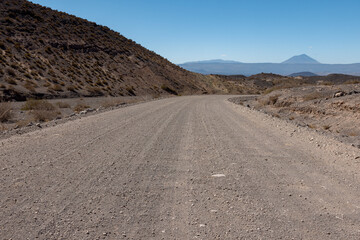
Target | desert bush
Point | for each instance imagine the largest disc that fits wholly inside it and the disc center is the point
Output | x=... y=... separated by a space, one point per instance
x=2 y=128
x=111 y=103
x=2 y=46
x=273 y=99
x=56 y=87
x=11 y=81
x=23 y=122
x=18 y=46
x=29 y=86
x=312 y=126
x=130 y=91
x=80 y=107
x=38 y=105
x=353 y=134
x=27 y=75
x=352 y=82
x=5 y=111
x=312 y=96
x=44 y=115
x=48 y=50
x=11 y=72
x=326 y=127
x=168 y=89
x=71 y=88
x=34 y=73
x=327 y=83
x=155 y=95
x=62 y=105
x=94 y=90
x=99 y=83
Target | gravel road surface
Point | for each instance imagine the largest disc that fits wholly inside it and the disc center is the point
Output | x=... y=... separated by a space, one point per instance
x=194 y=167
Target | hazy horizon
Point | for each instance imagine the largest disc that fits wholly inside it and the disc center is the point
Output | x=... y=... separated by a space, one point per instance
x=256 y=31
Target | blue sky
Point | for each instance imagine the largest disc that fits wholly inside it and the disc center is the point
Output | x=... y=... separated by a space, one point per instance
x=242 y=30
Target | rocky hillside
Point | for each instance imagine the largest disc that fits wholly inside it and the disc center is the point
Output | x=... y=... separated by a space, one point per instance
x=268 y=82
x=50 y=54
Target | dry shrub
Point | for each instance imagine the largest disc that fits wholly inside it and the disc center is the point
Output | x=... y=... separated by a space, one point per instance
x=283 y=103
x=111 y=103
x=11 y=81
x=56 y=87
x=80 y=107
x=2 y=128
x=270 y=100
x=312 y=126
x=23 y=122
x=44 y=115
x=62 y=105
x=38 y=105
x=29 y=86
x=168 y=89
x=95 y=91
x=352 y=82
x=71 y=88
x=353 y=134
x=5 y=112
x=326 y=127
x=312 y=96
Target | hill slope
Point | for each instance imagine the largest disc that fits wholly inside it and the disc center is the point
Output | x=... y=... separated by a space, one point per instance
x=46 y=54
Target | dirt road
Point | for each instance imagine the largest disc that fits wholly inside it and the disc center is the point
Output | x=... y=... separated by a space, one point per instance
x=195 y=167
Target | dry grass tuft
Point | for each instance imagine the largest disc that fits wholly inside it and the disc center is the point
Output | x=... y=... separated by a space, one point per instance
x=3 y=128
x=38 y=105
x=62 y=105
x=326 y=127
x=80 y=107
x=111 y=103
x=44 y=115
x=5 y=111
x=270 y=100
x=313 y=96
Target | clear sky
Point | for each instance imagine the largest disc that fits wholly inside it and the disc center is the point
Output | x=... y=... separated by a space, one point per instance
x=242 y=30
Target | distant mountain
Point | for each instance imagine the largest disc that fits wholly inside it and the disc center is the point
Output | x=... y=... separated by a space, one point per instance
x=303 y=74
x=296 y=64
x=301 y=59
x=215 y=61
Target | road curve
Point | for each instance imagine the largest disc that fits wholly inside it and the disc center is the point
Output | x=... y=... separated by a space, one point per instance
x=194 y=167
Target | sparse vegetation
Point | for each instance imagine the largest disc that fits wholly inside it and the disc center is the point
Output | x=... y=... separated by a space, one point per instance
x=62 y=105
x=38 y=105
x=326 y=127
x=5 y=111
x=111 y=103
x=312 y=96
x=271 y=100
x=44 y=115
x=80 y=107
x=168 y=89
x=11 y=81
x=11 y=72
